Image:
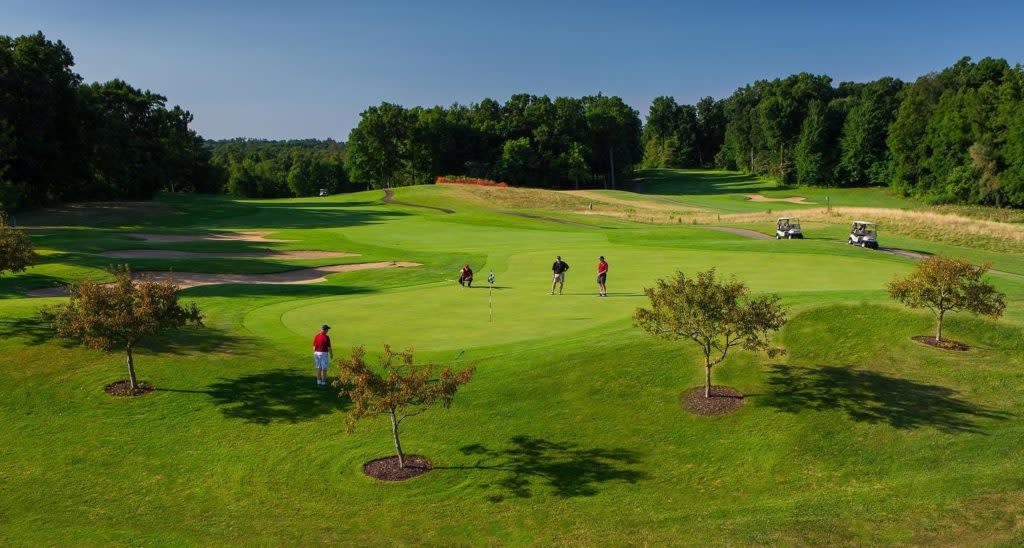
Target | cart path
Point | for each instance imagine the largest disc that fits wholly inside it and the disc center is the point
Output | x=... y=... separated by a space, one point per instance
x=389 y=196
x=291 y=277
x=740 y=232
x=918 y=256
x=549 y=219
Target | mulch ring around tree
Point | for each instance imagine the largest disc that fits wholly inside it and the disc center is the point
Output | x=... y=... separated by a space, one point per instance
x=944 y=344
x=123 y=389
x=723 y=400
x=387 y=468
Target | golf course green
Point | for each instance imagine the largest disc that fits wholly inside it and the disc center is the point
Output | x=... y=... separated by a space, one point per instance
x=571 y=431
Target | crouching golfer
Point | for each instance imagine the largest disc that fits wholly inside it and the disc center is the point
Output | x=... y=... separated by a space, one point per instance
x=322 y=354
x=466 y=276
x=558 y=274
x=602 y=276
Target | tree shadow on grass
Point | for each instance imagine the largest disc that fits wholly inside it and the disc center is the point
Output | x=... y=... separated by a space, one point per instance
x=566 y=468
x=278 y=396
x=867 y=396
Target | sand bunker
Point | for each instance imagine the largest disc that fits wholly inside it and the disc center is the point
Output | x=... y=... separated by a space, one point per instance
x=253 y=236
x=291 y=277
x=171 y=254
x=793 y=200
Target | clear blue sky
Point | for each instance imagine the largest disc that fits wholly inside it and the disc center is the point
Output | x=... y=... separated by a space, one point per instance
x=292 y=69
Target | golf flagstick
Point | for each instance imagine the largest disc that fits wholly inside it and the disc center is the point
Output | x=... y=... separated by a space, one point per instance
x=490 y=297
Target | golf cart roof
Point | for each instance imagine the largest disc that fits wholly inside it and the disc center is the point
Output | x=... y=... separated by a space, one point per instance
x=864 y=223
x=789 y=218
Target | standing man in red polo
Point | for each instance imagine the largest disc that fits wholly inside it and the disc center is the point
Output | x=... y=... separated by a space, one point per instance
x=322 y=354
x=602 y=276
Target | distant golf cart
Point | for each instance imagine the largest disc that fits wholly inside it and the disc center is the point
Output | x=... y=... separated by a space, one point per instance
x=324 y=192
x=864 y=234
x=788 y=228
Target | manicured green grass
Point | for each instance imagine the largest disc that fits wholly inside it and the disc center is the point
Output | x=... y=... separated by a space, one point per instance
x=571 y=432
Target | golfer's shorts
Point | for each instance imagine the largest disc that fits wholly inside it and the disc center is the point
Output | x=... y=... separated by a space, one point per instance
x=321 y=359
x=601 y=278
x=560 y=278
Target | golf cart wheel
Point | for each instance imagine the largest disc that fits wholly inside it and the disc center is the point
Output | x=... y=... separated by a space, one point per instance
x=777 y=237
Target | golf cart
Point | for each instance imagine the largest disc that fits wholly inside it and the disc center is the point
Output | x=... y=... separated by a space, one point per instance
x=324 y=192
x=788 y=228
x=864 y=234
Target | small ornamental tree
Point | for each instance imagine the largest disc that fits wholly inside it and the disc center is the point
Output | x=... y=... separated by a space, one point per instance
x=715 y=314
x=16 y=252
x=943 y=285
x=120 y=314
x=400 y=389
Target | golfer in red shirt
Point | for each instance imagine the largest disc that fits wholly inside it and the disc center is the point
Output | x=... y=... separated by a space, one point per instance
x=322 y=354
x=602 y=276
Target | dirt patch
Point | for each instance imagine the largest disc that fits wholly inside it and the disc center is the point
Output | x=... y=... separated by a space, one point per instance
x=387 y=468
x=251 y=236
x=123 y=389
x=723 y=400
x=170 y=254
x=185 y=280
x=389 y=199
x=944 y=344
x=740 y=232
x=792 y=200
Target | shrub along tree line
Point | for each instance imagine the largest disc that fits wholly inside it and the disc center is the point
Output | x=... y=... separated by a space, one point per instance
x=64 y=140
x=529 y=140
x=258 y=168
x=951 y=136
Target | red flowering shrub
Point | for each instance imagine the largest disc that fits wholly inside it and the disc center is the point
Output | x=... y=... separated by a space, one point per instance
x=461 y=180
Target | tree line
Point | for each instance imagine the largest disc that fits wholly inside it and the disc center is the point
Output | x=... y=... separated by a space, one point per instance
x=954 y=136
x=65 y=140
x=528 y=140
x=258 y=168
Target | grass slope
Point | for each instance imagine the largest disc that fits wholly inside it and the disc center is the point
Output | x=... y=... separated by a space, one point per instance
x=571 y=432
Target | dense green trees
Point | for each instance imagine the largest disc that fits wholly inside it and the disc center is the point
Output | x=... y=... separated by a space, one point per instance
x=529 y=140
x=61 y=139
x=257 y=168
x=952 y=136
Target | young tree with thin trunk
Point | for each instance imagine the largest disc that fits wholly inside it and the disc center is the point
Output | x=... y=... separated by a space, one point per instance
x=121 y=314
x=717 y=315
x=943 y=285
x=400 y=389
x=16 y=251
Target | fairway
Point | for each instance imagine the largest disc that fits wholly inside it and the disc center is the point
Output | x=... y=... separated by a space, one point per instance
x=571 y=432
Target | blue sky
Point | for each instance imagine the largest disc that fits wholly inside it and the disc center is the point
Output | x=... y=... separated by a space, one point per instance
x=306 y=69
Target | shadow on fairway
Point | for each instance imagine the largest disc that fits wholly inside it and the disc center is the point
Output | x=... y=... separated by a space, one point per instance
x=566 y=468
x=279 y=396
x=16 y=287
x=867 y=396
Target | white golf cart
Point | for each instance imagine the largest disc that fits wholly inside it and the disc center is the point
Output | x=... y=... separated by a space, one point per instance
x=864 y=234
x=324 y=192
x=788 y=228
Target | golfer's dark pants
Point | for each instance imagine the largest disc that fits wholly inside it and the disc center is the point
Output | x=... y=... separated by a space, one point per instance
x=467 y=282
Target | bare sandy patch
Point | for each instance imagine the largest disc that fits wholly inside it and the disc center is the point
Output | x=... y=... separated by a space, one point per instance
x=251 y=236
x=792 y=200
x=172 y=254
x=292 y=277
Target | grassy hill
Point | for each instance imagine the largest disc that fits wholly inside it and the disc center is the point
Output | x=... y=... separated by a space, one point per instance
x=570 y=433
